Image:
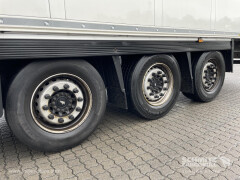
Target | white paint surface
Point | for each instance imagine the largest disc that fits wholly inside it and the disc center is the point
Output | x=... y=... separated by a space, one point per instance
x=189 y=14
x=219 y=15
x=138 y=12
x=29 y=8
x=228 y=15
x=57 y=8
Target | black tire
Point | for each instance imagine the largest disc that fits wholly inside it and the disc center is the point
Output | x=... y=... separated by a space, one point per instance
x=200 y=93
x=18 y=111
x=138 y=99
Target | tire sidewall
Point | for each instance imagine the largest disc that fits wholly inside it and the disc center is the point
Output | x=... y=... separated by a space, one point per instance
x=19 y=114
x=202 y=94
x=141 y=105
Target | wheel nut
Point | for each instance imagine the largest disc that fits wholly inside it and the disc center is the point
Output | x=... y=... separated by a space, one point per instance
x=66 y=86
x=78 y=109
x=156 y=96
x=55 y=88
x=165 y=89
x=47 y=96
x=45 y=107
x=75 y=90
x=80 y=99
x=159 y=72
x=161 y=94
x=166 y=81
x=153 y=74
x=151 y=94
x=148 y=87
x=71 y=117
x=60 y=120
x=50 y=116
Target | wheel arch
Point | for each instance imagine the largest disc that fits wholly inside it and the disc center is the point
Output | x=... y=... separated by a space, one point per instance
x=186 y=61
x=109 y=68
x=114 y=71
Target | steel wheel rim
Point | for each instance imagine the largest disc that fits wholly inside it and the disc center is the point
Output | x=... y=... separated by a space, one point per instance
x=61 y=90
x=157 y=84
x=210 y=75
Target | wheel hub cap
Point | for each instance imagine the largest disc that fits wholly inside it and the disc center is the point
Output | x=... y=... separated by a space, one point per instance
x=62 y=103
x=209 y=76
x=58 y=104
x=157 y=84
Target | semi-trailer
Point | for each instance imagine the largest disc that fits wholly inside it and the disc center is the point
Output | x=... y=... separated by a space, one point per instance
x=61 y=61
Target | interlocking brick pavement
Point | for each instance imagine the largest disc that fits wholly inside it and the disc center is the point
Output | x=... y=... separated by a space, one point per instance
x=125 y=146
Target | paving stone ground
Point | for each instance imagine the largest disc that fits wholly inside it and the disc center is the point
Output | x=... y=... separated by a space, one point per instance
x=194 y=141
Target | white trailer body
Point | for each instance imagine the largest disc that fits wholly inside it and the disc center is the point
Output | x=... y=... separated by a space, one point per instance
x=194 y=18
x=62 y=60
